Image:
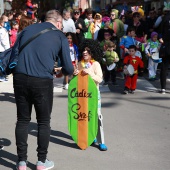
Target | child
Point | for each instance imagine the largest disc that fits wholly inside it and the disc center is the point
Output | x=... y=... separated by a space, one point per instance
x=95 y=71
x=14 y=32
x=131 y=81
x=107 y=39
x=89 y=24
x=97 y=25
x=127 y=40
x=110 y=57
x=153 y=46
x=6 y=24
x=73 y=54
x=105 y=26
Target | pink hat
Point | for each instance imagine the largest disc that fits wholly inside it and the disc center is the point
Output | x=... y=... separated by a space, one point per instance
x=105 y=19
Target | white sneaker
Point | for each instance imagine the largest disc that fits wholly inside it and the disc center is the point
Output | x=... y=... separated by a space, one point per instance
x=163 y=91
x=66 y=86
x=2 y=79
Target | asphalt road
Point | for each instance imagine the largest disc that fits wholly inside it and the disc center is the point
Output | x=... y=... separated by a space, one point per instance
x=137 y=130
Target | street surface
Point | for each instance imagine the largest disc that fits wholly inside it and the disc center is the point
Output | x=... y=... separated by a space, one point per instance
x=137 y=130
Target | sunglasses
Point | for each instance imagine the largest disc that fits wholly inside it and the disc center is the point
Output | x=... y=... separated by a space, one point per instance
x=106 y=34
x=76 y=12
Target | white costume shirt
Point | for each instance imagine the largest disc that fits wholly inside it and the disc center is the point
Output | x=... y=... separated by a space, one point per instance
x=4 y=39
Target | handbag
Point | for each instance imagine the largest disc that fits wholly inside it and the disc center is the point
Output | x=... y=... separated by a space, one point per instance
x=9 y=61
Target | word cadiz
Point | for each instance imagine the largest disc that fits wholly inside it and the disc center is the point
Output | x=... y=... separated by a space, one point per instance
x=74 y=93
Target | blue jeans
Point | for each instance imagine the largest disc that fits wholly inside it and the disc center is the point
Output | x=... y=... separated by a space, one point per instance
x=31 y=91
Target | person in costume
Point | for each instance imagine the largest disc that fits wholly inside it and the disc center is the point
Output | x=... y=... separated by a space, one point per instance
x=104 y=27
x=140 y=26
x=89 y=64
x=73 y=54
x=110 y=58
x=89 y=22
x=97 y=25
x=107 y=39
x=116 y=24
x=31 y=8
x=131 y=81
x=153 y=46
x=128 y=40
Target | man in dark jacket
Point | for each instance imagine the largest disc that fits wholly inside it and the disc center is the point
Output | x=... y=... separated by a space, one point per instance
x=80 y=25
x=33 y=84
x=165 y=48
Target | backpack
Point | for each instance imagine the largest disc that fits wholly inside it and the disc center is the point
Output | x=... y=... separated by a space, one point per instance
x=9 y=58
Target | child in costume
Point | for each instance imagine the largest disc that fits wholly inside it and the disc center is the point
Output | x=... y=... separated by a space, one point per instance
x=128 y=40
x=14 y=32
x=89 y=22
x=105 y=26
x=111 y=58
x=131 y=81
x=91 y=54
x=107 y=39
x=153 y=46
x=73 y=55
x=97 y=25
x=31 y=8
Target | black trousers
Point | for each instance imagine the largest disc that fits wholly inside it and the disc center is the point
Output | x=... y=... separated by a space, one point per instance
x=164 y=70
x=109 y=75
x=31 y=91
x=165 y=54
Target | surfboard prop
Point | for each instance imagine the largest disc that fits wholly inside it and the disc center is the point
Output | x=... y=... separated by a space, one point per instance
x=82 y=110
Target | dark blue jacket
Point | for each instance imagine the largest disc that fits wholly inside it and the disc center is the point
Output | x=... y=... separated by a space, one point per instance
x=38 y=57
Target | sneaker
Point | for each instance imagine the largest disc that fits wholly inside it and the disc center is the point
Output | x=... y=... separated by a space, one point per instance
x=1 y=147
x=66 y=86
x=2 y=79
x=163 y=91
x=132 y=91
x=125 y=92
x=45 y=166
x=95 y=142
x=22 y=165
x=102 y=147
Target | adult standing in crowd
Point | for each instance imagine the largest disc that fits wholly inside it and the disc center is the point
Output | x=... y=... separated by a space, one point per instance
x=150 y=21
x=118 y=28
x=116 y=24
x=33 y=84
x=165 y=49
x=68 y=23
x=80 y=25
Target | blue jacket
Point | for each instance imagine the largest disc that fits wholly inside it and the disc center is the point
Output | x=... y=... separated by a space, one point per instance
x=126 y=41
x=38 y=57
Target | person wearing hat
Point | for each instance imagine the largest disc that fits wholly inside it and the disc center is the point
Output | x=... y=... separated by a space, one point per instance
x=165 y=48
x=116 y=24
x=153 y=46
x=104 y=27
x=14 y=32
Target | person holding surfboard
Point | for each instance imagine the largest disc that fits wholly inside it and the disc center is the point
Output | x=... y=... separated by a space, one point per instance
x=89 y=66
